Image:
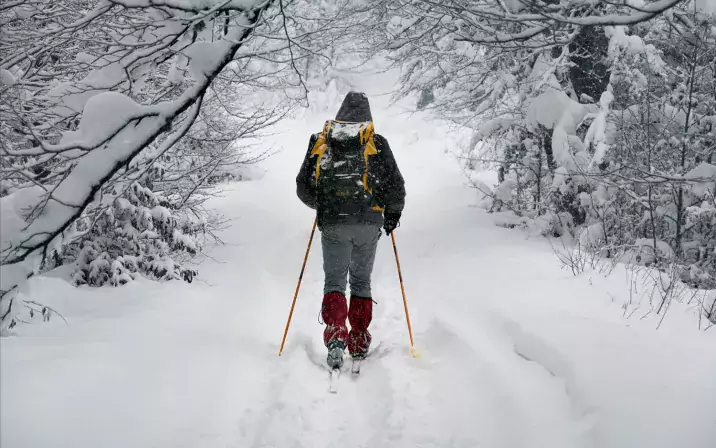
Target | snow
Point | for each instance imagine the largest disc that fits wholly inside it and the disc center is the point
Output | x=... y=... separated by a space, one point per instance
x=7 y=78
x=704 y=179
x=94 y=127
x=548 y=108
x=488 y=128
x=507 y=187
x=105 y=77
x=553 y=109
x=205 y=57
x=161 y=214
x=560 y=177
x=596 y=134
x=702 y=171
x=593 y=234
x=662 y=246
x=515 y=351
x=515 y=6
x=183 y=240
x=342 y=131
x=96 y=123
x=25 y=12
x=620 y=41
x=542 y=73
x=707 y=6
x=122 y=204
x=71 y=98
x=78 y=185
x=13 y=210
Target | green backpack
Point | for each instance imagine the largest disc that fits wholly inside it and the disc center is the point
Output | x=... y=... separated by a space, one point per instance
x=342 y=171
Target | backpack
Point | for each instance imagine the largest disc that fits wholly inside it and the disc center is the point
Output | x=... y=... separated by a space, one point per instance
x=342 y=173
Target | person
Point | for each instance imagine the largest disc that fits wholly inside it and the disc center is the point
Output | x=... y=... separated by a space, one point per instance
x=350 y=177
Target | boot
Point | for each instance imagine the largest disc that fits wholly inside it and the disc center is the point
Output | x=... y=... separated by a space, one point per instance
x=334 y=312
x=336 y=349
x=359 y=316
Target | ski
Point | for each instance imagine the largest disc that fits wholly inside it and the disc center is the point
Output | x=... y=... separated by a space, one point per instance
x=376 y=351
x=355 y=367
x=335 y=364
x=335 y=357
x=333 y=376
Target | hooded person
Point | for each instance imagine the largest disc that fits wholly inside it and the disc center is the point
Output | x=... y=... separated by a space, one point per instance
x=350 y=177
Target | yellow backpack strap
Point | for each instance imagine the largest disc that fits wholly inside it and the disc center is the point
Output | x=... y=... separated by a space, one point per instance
x=319 y=148
x=367 y=139
x=367 y=133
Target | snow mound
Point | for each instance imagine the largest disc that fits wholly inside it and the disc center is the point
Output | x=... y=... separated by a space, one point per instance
x=98 y=122
x=553 y=109
x=703 y=176
x=707 y=6
x=662 y=247
x=13 y=211
x=71 y=98
x=620 y=41
x=205 y=57
x=7 y=78
x=343 y=131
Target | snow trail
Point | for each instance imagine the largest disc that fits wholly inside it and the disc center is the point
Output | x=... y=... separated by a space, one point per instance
x=515 y=352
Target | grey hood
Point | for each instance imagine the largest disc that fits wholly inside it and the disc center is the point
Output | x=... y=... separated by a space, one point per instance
x=355 y=108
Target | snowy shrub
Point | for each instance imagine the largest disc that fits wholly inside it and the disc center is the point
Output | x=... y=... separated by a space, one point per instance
x=140 y=232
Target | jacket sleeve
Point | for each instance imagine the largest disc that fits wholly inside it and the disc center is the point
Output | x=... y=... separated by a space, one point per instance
x=305 y=189
x=392 y=189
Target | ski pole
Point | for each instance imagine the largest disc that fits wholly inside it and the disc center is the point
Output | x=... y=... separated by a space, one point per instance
x=405 y=301
x=298 y=286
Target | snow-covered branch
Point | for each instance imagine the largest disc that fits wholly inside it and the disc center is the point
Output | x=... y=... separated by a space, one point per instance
x=197 y=6
x=630 y=15
x=74 y=130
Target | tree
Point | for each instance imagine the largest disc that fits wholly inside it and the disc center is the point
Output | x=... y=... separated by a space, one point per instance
x=116 y=111
x=597 y=115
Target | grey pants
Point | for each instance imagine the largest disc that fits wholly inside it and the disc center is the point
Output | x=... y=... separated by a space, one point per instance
x=349 y=249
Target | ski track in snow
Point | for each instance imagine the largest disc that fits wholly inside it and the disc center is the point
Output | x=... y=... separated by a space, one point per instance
x=178 y=365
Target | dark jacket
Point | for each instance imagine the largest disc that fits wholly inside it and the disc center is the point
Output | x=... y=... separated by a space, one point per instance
x=388 y=189
x=387 y=182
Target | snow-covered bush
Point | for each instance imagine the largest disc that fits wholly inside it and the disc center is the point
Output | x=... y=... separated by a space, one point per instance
x=141 y=232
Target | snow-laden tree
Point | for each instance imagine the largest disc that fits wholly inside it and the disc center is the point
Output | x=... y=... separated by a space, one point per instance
x=117 y=115
x=527 y=76
x=597 y=115
x=664 y=137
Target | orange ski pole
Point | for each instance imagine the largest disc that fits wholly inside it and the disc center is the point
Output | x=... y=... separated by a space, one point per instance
x=298 y=286
x=405 y=301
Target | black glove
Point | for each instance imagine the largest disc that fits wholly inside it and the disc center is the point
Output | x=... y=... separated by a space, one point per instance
x=391 y=221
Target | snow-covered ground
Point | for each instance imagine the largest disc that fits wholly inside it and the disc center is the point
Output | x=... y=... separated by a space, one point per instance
x=515 y=351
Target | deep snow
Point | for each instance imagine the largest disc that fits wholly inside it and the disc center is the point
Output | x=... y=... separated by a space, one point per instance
x=515 y=351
